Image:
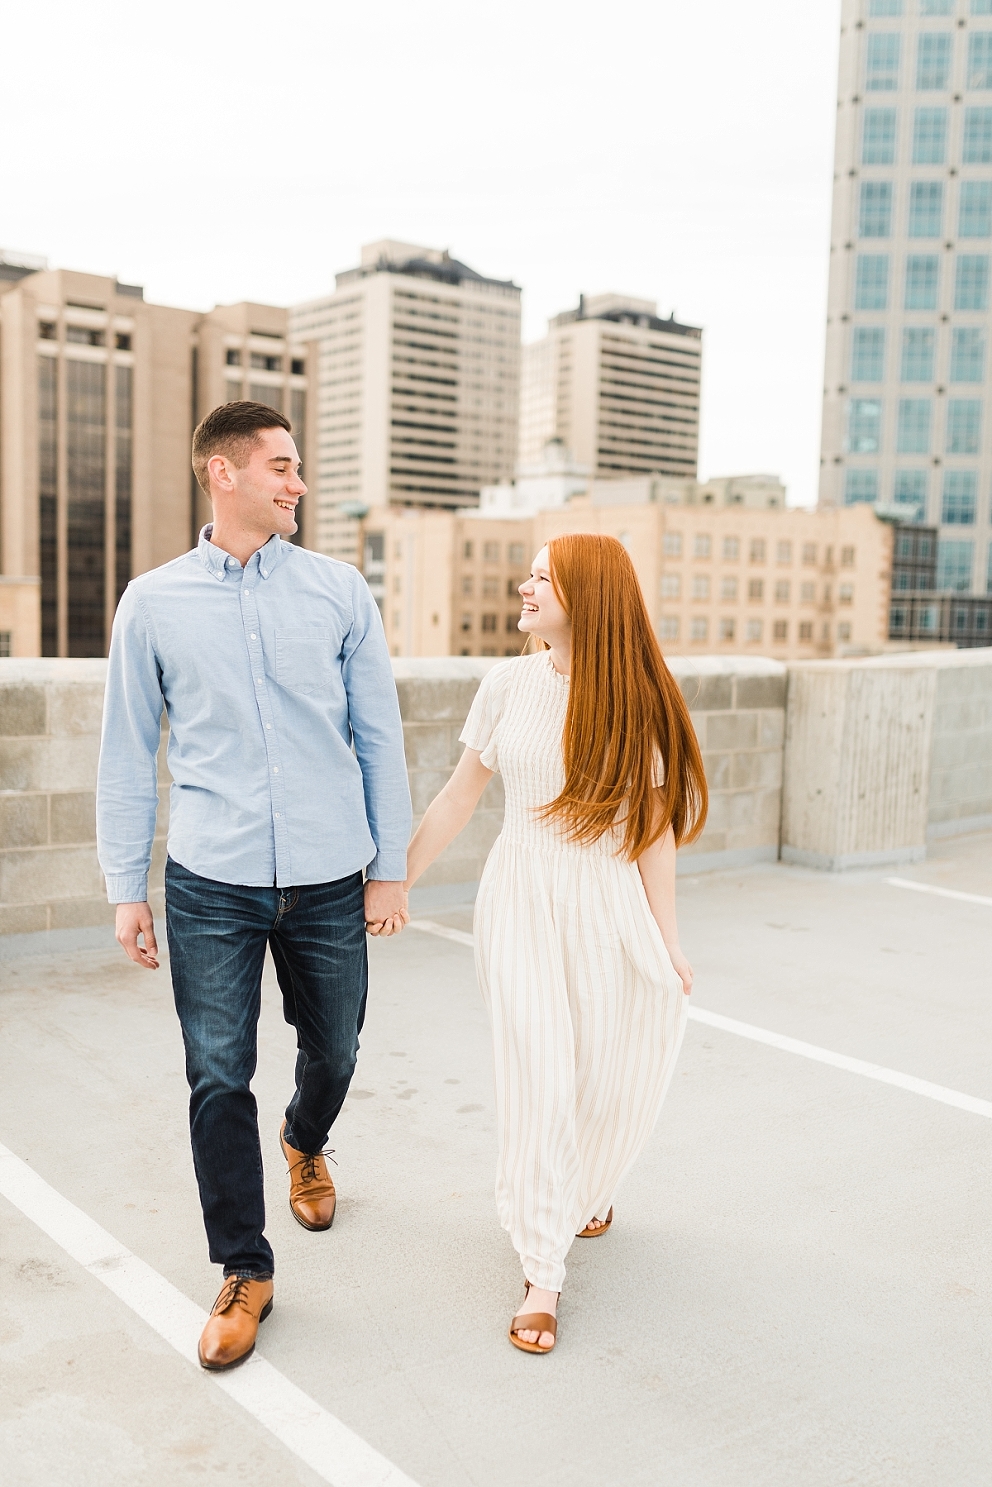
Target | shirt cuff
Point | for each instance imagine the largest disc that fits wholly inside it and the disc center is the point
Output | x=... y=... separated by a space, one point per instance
x=387 y=867
x=127 y=888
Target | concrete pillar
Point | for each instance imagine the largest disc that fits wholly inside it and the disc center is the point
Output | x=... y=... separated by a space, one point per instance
x=857 y=763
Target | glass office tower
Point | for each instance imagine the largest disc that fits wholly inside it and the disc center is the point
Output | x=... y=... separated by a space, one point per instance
x=907 y=420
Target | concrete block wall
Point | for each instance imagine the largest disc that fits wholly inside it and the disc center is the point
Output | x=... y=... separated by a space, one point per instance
x=960 y=791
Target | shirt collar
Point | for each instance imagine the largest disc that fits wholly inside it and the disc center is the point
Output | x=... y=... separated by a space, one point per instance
x=218 y=563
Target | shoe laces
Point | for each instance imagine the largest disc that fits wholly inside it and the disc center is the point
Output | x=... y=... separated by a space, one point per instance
x=234 y=1293
x=308 y=1165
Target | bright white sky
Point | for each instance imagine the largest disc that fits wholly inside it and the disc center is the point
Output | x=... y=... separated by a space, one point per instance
x=678 y=150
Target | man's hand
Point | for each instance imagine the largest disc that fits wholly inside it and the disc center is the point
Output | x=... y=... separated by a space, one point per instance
x=385 y=907
x=134 y=920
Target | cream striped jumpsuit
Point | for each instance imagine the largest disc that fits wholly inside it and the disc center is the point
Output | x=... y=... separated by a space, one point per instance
x=587 y=1011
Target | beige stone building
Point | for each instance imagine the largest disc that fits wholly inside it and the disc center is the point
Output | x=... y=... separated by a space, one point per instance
x=99 y=394
x=416 y=361
x=789 y=584
x=618 y=386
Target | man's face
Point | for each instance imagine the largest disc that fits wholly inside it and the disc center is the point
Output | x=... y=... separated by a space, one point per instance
x=262 y=496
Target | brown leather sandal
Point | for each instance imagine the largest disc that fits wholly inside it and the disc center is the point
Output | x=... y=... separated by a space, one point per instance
x=535 y=1321
x=588 y=1233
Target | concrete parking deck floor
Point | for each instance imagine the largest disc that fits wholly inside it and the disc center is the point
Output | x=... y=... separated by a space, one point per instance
x=795 y=1291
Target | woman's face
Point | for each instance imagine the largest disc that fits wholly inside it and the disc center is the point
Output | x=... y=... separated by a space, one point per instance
x=543 y=613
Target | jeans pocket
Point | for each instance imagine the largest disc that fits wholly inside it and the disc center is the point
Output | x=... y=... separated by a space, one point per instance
x=305 y=659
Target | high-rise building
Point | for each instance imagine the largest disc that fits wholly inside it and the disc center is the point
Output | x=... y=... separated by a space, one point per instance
x=415 y=368
x=617 y=385
x=907 y=423
x=99 y=395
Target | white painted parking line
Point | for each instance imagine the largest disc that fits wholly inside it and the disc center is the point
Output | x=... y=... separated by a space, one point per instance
x=968 y=898
x=860 y=1066
x=318 y=1438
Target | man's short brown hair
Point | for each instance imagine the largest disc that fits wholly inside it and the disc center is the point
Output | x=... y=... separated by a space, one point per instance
x=232 y=430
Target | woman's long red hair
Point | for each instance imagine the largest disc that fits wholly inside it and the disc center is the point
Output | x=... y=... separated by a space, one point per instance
x=625 y=709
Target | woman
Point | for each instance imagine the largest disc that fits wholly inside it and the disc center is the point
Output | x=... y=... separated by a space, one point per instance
x=576 y=940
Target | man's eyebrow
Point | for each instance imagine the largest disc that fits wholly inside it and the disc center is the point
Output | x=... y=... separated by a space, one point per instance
x=283 y=459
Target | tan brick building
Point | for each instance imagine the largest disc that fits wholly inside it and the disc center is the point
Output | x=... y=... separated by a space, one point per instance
x=99 y=394
x=718 y=580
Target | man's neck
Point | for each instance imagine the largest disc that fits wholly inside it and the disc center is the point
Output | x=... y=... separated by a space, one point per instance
x=237 y=542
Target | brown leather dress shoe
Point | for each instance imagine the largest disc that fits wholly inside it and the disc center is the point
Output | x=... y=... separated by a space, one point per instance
x=229 y=1336
x=312 y=1198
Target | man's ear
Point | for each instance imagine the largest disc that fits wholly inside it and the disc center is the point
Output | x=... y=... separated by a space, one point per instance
x=219 y=470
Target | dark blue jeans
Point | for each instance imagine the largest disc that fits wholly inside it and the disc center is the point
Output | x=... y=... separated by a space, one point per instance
x=217 y=938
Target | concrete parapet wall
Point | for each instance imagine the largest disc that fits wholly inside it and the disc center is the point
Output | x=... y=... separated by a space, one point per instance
x=875 y=755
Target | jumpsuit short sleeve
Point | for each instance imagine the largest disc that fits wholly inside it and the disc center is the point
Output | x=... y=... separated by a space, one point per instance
x=481 y=731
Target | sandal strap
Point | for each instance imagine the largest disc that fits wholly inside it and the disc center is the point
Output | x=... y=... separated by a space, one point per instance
x=536 y=1321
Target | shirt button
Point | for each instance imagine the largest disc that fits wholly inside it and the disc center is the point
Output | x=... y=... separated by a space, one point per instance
x=277 y=815
x=247 y=591
x=251 y=637
x=275 y=769
x=268 y=725
x=259 y=680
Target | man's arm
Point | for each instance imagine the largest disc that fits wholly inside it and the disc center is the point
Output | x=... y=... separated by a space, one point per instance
x=377 y=730
x=127 y=780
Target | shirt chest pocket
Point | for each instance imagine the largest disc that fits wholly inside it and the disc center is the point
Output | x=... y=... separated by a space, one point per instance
x=305 y=659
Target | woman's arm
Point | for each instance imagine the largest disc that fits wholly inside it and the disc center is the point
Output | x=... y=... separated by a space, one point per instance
x=449 y=811
x=657 y=869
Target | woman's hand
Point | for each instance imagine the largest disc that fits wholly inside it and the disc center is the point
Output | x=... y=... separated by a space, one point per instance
x=386 y=909
x=682 y=969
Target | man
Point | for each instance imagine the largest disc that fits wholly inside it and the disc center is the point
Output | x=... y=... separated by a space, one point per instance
x=286 y=754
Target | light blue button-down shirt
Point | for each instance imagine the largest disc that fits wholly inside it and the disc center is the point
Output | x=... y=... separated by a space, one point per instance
x=285 y=741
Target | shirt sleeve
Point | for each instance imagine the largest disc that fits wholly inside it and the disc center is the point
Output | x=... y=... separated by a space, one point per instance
x=377 y=732
x=127 y=779
x=482 y=724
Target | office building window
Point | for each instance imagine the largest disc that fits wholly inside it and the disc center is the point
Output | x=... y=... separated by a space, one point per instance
x=860 y=486
x=728 y=589
x=864 y=427
x=233 y=357
x=468 y=551
x=783 y=552
x=490 y=552
x=81 y=335
x=780 y=630
x=847 y=557
x=807 y=593
x=702 y=545
x=261 y=392
x=672 y=544
x=6 y=643
x=926 y=209
x=980 y=59
x=728 y=627
x=884 y=7
x=913 y=427
x=967 y=354
x=782 y=591
x=922 y=277
x=871 y=289
x=809 y=552
x=489 y=623
x=844 y=631
x=699 y=628
x=265 y=363
x=47 y=501
x=515 y=552
x=976 y=144
x=975 y=214
x=929 y=136
x=971 y=282
x=845 y=593
x=468 y=586
x=731 y=549
x=882 y=63
x=964 y=418
x=669 y=627
x=875 y=218
x=86 y=412
x=671 y=586
x=701 y=586
x=910 y=489
x=753 y=631
x=756 y=589
x=806 y=630
x=917 y=354
x=123 y=424
x=868 y=354
x=757 y=550
x=981 y=7
x=933 y=61
x=512 y=623
x=878 y=142
x=954 y=564
x=490 y=587
x=936 y=7
x=466 y=621
x=959 y=498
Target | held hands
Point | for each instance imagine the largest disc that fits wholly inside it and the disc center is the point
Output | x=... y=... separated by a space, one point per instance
x=386 y=909
x=134 y=920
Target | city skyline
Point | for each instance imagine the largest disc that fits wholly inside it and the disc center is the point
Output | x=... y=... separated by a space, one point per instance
x=701 y=180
